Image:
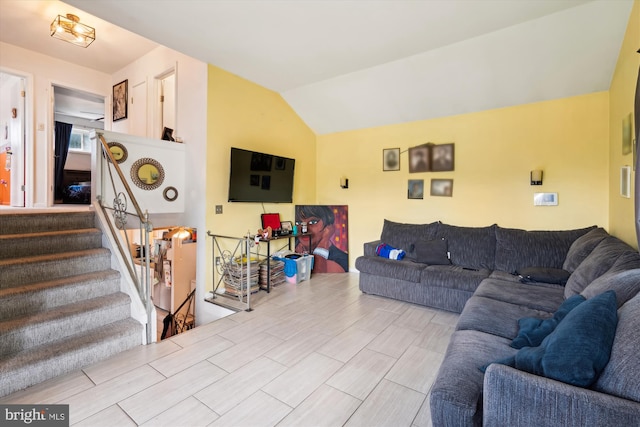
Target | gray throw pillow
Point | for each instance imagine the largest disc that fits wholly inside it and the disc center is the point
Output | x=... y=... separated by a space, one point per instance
x=556 y=276
x=405 y=236
x=432 y=252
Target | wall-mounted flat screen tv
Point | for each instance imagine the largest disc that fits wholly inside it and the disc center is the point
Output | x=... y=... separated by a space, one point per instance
x=259 y=177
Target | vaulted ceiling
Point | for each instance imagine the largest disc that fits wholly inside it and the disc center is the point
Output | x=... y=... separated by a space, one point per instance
x=350 y=64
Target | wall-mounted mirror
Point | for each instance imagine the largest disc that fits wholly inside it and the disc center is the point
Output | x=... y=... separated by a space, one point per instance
x=170 y=194
x=147 y=173
x=118 y=151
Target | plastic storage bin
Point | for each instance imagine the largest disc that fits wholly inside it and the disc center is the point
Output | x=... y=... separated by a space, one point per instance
x=297 y=267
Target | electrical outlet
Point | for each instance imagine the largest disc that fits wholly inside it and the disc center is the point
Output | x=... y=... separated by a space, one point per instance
x=217 y=260
x=218 y=209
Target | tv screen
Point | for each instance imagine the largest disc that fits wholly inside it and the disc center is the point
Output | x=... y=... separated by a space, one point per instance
x=260 y=177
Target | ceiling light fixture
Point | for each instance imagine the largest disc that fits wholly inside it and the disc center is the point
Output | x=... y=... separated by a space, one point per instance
x=71 y=30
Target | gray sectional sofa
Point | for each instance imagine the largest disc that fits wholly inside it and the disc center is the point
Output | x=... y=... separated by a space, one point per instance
x=501 y=280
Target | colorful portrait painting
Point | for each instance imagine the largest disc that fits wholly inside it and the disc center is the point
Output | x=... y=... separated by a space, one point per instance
x=328 y=226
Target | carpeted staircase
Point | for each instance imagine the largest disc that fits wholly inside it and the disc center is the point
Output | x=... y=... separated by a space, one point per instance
x=60 y=302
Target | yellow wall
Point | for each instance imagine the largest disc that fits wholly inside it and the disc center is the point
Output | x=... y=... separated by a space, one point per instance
x=245 y=115
x=494 y=152
x=621 y=99
x=575 y=141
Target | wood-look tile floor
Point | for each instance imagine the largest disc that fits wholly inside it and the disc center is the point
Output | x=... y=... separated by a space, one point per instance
x=321 y=353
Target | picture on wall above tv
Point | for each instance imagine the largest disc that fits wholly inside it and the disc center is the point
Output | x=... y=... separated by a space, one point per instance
x=259 y=177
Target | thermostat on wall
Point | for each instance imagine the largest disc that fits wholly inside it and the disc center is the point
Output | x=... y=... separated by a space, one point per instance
x=545 y=199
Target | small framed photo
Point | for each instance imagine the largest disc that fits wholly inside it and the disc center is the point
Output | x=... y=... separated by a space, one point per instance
x=442 y=187
x=442 y=157
x=415 y=189
x=420 y=158
x=120 y=105
x=391 y=159
x=286 y=226
x=625 y=181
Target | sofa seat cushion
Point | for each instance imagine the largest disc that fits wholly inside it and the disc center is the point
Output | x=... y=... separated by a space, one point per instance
x=543 y=298
x=620 y=376
x=456 y=395
x=471 y=247
x=453 y=277
x=582 y=247
x=391 y=268
x=495 y=317
x=405 y=236
x=599 y=261
x=517 y=249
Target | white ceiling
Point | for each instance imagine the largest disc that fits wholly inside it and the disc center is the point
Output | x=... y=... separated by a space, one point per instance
x=349 y=64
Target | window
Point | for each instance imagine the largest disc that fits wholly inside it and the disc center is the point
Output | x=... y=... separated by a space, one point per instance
x=80 y=140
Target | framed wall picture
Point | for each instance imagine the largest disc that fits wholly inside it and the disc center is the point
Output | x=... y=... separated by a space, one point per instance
x=442 y=187
x=625 y=181
x=415 y=189
x=419 y=158
x=442 y=157
x=120 y=96
x=391 y=159
x=626 y=134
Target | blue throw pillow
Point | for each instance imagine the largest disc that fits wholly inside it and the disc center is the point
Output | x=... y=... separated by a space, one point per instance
x=578 y=349
x=531 y=331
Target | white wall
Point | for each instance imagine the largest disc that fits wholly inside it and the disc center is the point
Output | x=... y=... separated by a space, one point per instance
x=41 y=72
x=191 y=126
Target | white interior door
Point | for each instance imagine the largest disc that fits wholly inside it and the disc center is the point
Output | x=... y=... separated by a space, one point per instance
x=139 y=109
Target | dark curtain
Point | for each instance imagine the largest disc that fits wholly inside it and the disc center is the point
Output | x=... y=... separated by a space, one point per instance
x=637 y=135
x=63 y=137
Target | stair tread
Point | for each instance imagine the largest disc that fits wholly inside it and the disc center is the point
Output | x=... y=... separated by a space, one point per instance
x=51 y=233
x=78 y=279
x=54 y=257
x=44 y=353
x=16 y=324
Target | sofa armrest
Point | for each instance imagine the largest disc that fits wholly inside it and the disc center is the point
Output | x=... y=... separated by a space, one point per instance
x=516 y=398
x=370 y=247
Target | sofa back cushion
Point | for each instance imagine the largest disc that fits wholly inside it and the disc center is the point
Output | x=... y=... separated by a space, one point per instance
x=620 y=376
x=599 y=261
x=582 y=247
x=470 y=247
x=405 y=236
x=517 y=249
x=625 y=283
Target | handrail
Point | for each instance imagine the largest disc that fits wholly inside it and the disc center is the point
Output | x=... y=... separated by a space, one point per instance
x=118 y=221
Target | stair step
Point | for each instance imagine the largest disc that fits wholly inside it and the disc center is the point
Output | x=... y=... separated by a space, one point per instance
x=21 y=333
x=42 y=296
x=22 y=271
x=48 y=242
x=47 y=361
x=18 y=223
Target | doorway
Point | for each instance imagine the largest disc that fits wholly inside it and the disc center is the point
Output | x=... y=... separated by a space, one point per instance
x=12 y=140
x=76 y=113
